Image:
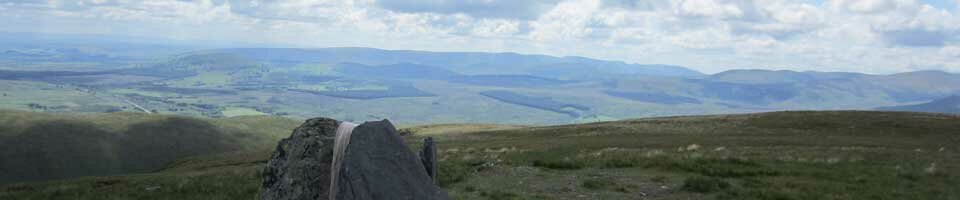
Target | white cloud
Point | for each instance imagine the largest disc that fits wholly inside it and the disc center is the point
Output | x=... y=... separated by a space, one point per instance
x=501 y=9
x=798 y=14
x=496 y=27
x=870 y=6
x=877 y=36
x=950 y=51
x=709 y=8
x=701 y=39
x=568 y=20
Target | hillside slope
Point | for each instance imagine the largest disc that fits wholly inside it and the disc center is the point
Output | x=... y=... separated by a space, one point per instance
x=949 y=104
x=38 y=146
x=780 y=155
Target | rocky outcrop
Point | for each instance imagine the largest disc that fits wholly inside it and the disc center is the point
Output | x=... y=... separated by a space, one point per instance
x=428 y=156
x=300 y=166
x=377 y=165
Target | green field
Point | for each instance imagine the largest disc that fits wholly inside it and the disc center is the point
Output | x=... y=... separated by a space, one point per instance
x=781 y=155
x=241 y=111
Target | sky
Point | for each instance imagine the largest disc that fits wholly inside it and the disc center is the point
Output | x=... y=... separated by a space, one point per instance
x=868 y=36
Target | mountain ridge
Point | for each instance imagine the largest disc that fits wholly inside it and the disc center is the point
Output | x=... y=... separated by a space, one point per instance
x=447 y=87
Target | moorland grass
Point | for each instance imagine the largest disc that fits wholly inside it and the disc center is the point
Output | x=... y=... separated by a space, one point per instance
x=813 y=155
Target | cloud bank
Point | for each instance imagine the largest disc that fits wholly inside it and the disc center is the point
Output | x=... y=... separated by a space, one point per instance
x=872 y=36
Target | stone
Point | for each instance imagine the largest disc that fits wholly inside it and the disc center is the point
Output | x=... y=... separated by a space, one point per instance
x=299 y=168
x=377 y=165
x=428 y=156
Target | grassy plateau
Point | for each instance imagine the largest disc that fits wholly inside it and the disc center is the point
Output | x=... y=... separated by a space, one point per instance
x=779 y=155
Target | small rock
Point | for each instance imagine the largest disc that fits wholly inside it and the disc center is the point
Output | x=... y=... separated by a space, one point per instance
x=152 y=188
x=931 y=169
x=405 y=132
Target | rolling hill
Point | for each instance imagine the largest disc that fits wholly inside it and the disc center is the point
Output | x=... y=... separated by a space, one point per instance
x=39 y=146
x=420 y=87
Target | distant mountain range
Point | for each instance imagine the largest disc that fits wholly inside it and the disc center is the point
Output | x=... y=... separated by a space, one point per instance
x=736 y=90
x=465 y=62
x=435 y=87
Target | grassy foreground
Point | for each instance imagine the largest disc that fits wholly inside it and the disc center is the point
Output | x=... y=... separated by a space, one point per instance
x=782 y=155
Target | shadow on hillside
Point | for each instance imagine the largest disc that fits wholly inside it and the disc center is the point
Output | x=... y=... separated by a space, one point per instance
x=62 y=149
x=57 y=149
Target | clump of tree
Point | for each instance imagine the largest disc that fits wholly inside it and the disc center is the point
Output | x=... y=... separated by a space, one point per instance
x=37 y=106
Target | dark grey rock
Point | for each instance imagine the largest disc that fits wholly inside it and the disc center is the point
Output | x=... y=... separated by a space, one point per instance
x=377 y=165
x=428 y=156
x=300 y=166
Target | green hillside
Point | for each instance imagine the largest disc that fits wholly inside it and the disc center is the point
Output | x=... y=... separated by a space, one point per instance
x=780 y=155
x=39 y=146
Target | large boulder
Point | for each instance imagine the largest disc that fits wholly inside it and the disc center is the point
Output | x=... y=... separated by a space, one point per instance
x=300 y=166
x=377 y=165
